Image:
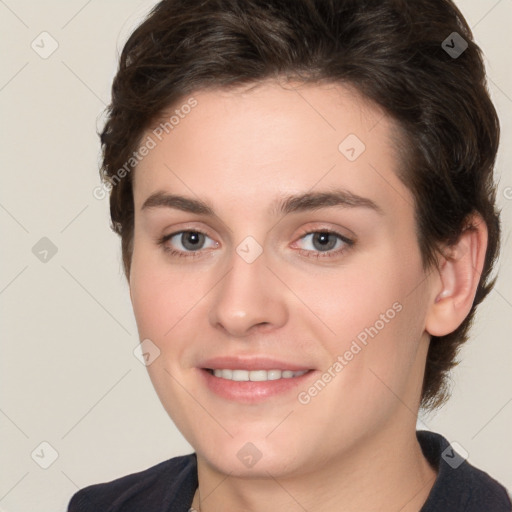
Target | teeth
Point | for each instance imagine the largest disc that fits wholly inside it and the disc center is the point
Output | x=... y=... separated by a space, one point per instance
x=256 y=375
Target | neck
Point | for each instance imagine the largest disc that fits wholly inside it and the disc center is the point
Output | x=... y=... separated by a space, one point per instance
x=387 y=471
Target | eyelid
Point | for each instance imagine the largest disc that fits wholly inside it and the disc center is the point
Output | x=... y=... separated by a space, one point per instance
x=345 y=234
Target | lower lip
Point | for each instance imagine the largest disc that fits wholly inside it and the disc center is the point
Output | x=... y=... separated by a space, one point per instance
x=250 y=391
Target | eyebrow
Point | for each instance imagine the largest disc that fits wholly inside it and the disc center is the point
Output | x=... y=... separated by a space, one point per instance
x=308 y=201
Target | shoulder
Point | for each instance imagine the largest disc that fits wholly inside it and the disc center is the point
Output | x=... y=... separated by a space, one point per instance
x=169 y=485
x=459 y=485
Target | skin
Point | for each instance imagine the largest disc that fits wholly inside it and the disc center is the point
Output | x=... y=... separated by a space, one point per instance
x=353 y=446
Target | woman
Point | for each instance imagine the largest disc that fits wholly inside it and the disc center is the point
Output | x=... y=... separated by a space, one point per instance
x=304 y=193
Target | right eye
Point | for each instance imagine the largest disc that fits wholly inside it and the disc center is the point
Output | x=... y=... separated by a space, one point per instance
x=191 y=242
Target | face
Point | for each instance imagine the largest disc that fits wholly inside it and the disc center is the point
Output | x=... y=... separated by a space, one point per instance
x=277 y=274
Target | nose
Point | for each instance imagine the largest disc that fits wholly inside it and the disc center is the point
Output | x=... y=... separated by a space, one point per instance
x=249 y=298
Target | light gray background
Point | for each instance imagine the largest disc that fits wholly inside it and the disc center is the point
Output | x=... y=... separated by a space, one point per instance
x=68 y=373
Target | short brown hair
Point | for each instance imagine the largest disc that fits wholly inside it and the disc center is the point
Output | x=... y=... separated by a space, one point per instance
x=391 y=51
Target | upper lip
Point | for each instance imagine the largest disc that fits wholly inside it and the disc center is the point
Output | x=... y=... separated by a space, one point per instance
x=251 y=363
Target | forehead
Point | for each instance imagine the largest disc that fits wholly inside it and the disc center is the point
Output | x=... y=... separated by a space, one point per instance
x=249 y=143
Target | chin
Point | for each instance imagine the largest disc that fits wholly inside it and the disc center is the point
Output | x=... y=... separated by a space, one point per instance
x=252 y=457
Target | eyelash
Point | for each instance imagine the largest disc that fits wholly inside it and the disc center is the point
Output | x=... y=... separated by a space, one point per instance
x=308 y=253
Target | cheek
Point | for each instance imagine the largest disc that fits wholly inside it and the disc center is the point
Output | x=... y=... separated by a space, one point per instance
x=372 y=315
x=168 y=304
x=159 y=305
x=155 y=298
x=341 y=303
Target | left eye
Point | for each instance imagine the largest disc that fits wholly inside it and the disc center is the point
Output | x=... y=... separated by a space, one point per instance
x=324 y=241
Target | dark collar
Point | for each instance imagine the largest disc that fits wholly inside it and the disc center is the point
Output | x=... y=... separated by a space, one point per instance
x=459 y=486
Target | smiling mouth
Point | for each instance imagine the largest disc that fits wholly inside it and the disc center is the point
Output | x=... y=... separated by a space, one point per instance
x=254 y=375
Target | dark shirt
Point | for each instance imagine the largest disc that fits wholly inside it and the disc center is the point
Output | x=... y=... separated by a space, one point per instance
x=170 y=486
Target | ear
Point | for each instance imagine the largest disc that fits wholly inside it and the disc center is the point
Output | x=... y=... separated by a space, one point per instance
x=458 y=277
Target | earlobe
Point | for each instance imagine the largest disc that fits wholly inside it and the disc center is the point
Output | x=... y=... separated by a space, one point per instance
x=458 y=278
